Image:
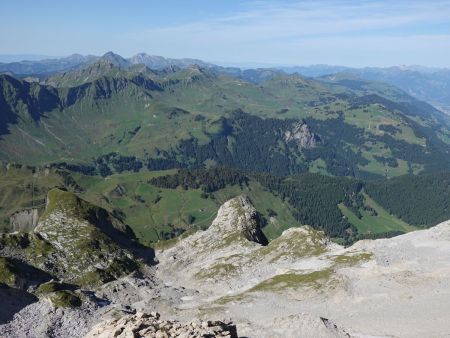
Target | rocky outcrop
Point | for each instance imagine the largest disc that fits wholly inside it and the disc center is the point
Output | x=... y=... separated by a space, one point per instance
x=301 y=135
x=228 y=258
x=88 y=244
x=143 y=325
x=364 y=288
x=238 y=215
x=75 y=241
x=24 y=220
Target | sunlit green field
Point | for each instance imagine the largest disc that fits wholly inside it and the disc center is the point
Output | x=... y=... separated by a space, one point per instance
x=382 y=222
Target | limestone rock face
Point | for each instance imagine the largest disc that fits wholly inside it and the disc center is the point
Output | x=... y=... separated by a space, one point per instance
x=24 y=220
x=301 y=135
x=150 y=325
x=238 y=215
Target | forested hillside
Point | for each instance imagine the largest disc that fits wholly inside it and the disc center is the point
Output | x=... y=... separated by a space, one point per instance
x=112 y=115
x=421 y=200
x=344 y=208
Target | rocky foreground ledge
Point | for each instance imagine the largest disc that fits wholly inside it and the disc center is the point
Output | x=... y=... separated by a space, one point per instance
x=144 y=325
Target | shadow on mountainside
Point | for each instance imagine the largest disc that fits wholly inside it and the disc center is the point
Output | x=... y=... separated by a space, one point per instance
x=28 y=274
x=121 y=234
x=13 y=300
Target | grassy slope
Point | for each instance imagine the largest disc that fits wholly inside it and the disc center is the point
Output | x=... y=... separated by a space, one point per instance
x=150 y=210
x=94 y=126
x=383 y=222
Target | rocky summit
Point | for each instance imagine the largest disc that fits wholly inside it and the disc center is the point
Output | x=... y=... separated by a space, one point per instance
x=151 y=326
x=239 y=217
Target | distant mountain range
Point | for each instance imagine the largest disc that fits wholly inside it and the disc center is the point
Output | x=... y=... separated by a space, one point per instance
x=8 y=58
x=425 y=83
x=76 y=61
x=46 y=66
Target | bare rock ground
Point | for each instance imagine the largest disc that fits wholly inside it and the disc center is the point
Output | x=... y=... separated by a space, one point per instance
x=151 y=326
x=299 y=285
x=398 y=287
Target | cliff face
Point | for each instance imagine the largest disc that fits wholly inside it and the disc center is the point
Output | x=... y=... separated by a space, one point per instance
x=238 y=216
x=24 y=220
x=301 y=134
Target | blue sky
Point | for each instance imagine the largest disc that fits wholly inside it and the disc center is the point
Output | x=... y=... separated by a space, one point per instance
x=344 y=32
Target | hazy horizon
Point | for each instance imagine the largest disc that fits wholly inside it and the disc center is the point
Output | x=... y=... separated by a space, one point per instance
x=374 y=33
x=10 y=58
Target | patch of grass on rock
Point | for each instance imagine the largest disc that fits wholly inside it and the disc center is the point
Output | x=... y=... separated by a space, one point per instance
x=50 y=287
x=65 y=298
x=313 y=279
x=8 y=272
x=352 y=259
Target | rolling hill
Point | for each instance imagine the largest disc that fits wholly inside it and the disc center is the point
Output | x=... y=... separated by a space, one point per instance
x=195 y=117
x=424 y=83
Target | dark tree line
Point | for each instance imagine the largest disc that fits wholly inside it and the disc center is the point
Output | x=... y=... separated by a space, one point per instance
x=314 y=197
x=208 y=180
x=119 y=163
x=105 y=165
x=315 y=200
x=254 y=144
x=422 y=200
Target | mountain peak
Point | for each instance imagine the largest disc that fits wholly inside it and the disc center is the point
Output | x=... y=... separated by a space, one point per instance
x=115 y=59
x=239 y=215
x=160 y=62
x=111 y=54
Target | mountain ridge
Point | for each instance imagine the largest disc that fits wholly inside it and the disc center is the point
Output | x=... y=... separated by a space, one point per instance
x=77 y=61
x=75 y=242
x=425 y=83
x=69 y=110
